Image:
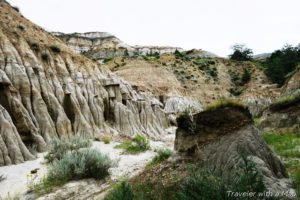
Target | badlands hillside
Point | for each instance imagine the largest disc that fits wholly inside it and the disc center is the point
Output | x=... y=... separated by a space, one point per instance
x=173 y=71
x=87 y=116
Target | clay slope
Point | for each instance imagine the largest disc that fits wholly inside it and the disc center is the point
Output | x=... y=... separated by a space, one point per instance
x=221 y=141
x=48 y=91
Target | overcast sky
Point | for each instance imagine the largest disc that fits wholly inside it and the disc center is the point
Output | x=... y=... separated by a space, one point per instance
x=213 y=25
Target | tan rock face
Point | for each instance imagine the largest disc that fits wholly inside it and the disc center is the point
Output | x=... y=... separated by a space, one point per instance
x=220 y=140
x=47 y=91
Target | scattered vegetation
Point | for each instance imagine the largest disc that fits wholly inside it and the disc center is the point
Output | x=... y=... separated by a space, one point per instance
x=137 y=145
x=286 y=101
x=246 y=77
x=281 y=63
x=287 y=146
x=58 y=148
x=239 y=81
x=162 y=154
x=75 y=165
x=151 y=55
x=55 y=49
x=178 y=54
x=202 y=184
x=241 y=53
x=121 y=191
x=225 y=103
x=199 y=184
x=204 y=64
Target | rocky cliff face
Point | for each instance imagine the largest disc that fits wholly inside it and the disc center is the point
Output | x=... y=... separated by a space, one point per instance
x=283 y=115
x=101 y=45
x=292 y=84
x=220 y=140
x=48 y=91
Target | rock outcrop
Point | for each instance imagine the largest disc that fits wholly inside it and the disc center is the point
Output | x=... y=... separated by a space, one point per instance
x=47 y=91
x=283 y=115
x=177 y=104
x=101 y=45
x=220 y=137
x=292 y=84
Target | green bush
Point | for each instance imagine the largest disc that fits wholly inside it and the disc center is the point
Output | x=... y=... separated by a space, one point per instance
x=204 y=185
x=296 y=181
x=249 y=179
x=178 y=54
x=59 y=147
x=162 y=154
x=86 y=163
x=246 y=77
x=75 y=165
x=137 y=191
x=138 y=144
x=241 y=53
x=281 y=63
x=121 y=191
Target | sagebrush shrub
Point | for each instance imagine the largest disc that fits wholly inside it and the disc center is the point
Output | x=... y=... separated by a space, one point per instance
x=86 y=163
x=162 y=154
x=138 y=144
x=59 y=147
x=121 y=191
x=74 y=165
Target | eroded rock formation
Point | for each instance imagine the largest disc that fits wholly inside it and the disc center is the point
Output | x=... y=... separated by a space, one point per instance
x=48 y=91
x=284 y=118
x=101 y=45
x=221 y=137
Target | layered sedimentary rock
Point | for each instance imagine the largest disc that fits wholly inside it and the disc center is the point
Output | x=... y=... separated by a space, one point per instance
x=177 y=104
x=292 y=84
x=101 y=45
x=47 y=91
x=283 y=115
x=222 y=137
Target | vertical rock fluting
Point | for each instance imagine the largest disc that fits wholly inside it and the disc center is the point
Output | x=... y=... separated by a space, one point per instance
x=46 y=91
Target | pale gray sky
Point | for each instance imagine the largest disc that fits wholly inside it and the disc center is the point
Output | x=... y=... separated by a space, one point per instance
x=213 y=25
